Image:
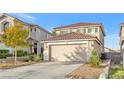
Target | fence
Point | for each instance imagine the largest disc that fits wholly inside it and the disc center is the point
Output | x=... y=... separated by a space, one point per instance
x=115 y=57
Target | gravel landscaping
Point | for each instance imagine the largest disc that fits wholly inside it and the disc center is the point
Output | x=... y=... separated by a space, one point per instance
x=87 y=71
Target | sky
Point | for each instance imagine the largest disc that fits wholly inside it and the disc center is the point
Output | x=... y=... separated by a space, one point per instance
x=48 y=21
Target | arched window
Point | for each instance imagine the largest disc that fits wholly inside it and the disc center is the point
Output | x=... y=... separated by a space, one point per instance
x=5 y=25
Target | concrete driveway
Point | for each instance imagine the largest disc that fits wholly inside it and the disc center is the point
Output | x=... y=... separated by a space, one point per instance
x=48 y=70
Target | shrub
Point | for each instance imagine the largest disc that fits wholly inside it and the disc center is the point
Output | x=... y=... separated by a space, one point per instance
x=94 y=59
x=34 y=57
x=4 y=53
x=21 y=53
x=10 y=55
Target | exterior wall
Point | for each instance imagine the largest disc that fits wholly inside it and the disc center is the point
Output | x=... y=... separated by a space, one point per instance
x=89 y=45
x=2 y=21
x=39 y=35
x=97 y=47
x=121 y=37
x=101 y=38
x=122 y=31
x=6 y=19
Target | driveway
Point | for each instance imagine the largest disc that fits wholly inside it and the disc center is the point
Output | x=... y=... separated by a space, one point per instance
x=48 y=70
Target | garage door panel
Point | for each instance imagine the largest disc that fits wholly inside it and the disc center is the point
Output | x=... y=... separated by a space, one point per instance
x=68 y=53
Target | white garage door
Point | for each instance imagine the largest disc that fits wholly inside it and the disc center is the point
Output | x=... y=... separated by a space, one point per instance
x=68 y=53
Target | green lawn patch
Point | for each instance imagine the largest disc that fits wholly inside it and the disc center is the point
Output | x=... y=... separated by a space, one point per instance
x=116 y=72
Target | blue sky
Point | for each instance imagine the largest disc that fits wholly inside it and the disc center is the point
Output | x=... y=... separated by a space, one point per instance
x=110 y=21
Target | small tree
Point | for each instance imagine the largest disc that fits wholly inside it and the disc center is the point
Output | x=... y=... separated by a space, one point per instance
x=94 y=59
x=15 y=37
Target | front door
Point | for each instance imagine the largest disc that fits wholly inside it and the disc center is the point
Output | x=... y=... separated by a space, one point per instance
x=35 y=48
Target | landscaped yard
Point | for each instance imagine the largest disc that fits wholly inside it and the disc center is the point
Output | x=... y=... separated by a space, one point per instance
x=86 y=71
x=23 y=59
x=92 y=69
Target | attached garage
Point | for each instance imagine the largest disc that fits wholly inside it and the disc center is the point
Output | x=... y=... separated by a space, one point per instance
x=68 y=52
x=69 y=47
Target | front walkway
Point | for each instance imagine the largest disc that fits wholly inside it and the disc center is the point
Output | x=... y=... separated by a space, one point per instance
x=48 y=70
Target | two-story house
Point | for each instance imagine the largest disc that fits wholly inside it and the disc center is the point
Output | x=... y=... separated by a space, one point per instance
x=36 y=33
x=74 y=42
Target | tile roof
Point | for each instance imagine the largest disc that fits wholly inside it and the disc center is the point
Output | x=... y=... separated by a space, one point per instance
x=72 y=36
x=79 y=24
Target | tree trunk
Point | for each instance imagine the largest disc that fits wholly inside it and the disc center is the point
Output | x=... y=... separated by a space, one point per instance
x=15 y=55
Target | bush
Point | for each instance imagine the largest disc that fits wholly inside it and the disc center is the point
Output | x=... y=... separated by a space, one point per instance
x=4 y=53
x=104 y=56
x=21 y=53
x=94 y=60
x=10 y=55
x=34 y=57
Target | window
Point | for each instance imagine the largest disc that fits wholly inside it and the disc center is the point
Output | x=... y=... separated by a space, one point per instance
x=89 y=30
x=96 y=30
x=64 y=31
x=5 y=25
x=74 y=30
x=83 y=30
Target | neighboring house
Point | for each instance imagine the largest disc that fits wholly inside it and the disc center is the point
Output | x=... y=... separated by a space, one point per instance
x=106 y=50
x=36 y=33
x=121 y=34
x=74 y=42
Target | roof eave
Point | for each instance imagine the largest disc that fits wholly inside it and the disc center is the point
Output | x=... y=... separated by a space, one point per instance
x=51 y=41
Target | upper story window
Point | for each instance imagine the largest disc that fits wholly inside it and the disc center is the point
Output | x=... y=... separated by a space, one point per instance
x=82 y=30
x=5 y=25
x=74 y=30
x=89 y=30
x=64 y=31
x=33 y=29
x=96 y=30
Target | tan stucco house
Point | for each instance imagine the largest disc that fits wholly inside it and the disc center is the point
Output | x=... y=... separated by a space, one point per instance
x=74 y=42
x=36 y=33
